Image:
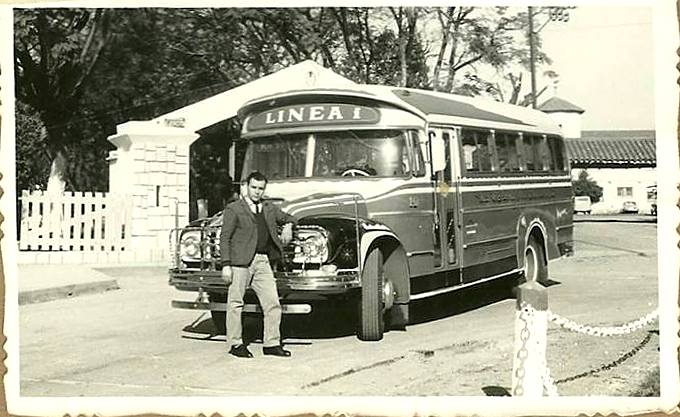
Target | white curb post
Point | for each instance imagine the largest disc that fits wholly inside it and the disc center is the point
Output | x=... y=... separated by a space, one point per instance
x=531 y=327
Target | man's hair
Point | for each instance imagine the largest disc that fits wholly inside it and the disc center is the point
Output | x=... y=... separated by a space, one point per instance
x=257 y=176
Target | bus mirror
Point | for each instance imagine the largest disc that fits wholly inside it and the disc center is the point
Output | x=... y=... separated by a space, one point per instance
x=438 y=153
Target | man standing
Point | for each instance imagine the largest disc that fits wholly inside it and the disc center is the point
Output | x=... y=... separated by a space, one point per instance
x=249 y=236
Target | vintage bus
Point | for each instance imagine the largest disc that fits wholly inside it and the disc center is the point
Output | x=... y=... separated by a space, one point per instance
x=401 y=194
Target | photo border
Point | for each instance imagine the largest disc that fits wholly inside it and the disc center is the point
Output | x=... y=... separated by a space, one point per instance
x=665 y=40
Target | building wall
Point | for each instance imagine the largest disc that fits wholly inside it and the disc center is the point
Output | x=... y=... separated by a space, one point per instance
x=569 y=122
x=611 y=179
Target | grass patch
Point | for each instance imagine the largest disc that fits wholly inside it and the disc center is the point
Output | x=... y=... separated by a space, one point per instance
x=650 y=387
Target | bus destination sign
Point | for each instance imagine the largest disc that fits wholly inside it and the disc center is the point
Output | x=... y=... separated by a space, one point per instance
x=313 y=115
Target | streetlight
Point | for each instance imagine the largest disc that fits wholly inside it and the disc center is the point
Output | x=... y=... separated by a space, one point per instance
x=555 y=14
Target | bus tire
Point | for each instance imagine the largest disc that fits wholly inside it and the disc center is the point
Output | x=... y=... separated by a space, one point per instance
x=535 y=268
x=371 y=314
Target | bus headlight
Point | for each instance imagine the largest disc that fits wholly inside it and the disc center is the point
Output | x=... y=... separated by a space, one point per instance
x=189 y=246
x=310 y=245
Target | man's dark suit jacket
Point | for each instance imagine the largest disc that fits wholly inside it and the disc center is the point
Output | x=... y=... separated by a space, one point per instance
x=238 y=239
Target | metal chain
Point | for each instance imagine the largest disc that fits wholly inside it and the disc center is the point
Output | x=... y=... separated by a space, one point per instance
x=603 y=331
x=522 y=353
x=612 y=364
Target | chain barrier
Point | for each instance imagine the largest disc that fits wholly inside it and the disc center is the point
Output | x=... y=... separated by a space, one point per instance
x=626 y=328
x=550 y=384
x=523 y=352
x=612 y=364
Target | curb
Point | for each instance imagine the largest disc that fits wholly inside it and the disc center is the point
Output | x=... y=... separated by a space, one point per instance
x=611 y=219
x=66 y=291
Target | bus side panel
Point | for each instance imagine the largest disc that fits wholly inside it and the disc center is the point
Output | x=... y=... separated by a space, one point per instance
x=489 y=234
x=496 y=220
x=408 y=212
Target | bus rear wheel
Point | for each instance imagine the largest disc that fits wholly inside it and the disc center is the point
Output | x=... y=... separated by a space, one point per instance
x=376 y=298
x=535 y=269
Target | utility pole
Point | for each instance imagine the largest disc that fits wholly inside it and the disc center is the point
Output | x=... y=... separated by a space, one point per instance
x=532 y=56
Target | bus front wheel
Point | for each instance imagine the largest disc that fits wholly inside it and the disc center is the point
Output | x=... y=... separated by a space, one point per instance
x=372 y=304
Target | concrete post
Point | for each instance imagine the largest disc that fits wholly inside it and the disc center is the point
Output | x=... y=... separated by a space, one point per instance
x=531 y=327
x=151 y=168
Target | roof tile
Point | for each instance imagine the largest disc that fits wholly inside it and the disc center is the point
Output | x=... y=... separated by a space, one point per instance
x=611 y=152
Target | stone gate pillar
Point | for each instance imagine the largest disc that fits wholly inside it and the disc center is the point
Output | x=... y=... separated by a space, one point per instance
x=151 y=169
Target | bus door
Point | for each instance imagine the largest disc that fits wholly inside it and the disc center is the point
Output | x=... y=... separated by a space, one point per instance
x=448 y=208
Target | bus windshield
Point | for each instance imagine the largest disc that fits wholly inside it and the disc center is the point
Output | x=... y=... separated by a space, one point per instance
x=355 y=153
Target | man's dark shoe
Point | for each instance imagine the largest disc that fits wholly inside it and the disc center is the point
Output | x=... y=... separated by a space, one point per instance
x=276 y=351
x=240 y=351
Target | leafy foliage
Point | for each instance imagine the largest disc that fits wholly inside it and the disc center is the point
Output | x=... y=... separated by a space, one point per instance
x=586 y=186
x=32 y=161
x=81 y=72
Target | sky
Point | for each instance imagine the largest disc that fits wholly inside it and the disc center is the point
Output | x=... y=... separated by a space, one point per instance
x=605 y=60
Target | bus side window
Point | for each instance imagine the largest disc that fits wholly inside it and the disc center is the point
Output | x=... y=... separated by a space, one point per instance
x=477 y=150
x=507 y=152
x=469 y=145
x=556 y=146
x=447 y=149
x=531 y=153
x=548 y=161
x=418 y=168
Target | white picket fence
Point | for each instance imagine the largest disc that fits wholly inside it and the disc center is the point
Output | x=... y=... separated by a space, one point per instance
x=74 y=222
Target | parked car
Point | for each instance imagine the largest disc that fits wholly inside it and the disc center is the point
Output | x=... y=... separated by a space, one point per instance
x=629 y=207
x=582 y=204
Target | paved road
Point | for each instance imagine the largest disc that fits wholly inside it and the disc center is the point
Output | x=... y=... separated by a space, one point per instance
x=130 y=342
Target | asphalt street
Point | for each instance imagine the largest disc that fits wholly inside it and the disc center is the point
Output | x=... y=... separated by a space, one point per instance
x=130 y=342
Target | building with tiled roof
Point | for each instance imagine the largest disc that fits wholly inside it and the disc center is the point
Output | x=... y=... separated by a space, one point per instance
x=557 y=104
x=622 y=162
x=611 y=149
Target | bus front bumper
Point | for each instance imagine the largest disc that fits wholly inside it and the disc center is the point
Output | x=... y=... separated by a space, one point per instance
x=297 y=290
x=247 y=308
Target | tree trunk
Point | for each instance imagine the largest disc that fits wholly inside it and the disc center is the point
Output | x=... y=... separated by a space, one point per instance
x=411 y=18
x=56 y=183
x=446 y=27
x=452 y=64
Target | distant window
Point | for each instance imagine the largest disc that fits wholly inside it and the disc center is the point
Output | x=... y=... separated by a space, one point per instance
x=624 y=191
x=476 y=150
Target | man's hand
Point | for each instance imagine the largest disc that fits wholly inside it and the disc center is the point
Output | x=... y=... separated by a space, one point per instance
x=287 y=233
x=226 y=274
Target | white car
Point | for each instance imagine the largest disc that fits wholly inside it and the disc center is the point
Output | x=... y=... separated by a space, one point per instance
x=582 y=204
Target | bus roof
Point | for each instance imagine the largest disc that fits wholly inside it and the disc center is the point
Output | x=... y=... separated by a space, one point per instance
x=435 y=107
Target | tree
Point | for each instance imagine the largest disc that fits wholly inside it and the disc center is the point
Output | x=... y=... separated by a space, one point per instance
x=473 y=38
x=56 y=51
x=32 y=160
x=585 y=186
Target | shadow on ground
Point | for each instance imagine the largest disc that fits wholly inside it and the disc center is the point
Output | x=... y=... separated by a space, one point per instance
x=332 y=320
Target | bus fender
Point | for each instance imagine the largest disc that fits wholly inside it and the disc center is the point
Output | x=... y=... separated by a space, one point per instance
x=395 y=266
x=525 y=228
